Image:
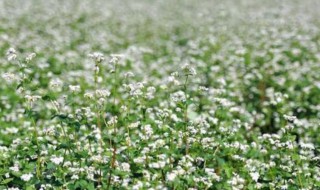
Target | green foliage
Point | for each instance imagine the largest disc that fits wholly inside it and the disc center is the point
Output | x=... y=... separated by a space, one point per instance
x=202 y=95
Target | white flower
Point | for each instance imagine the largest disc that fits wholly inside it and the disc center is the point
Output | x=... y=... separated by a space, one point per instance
x=209 y=171
x=125 y=167
x=258 y=186
x=9 y=76
x=74 y=176
x=284 y=187
x=290 y=118
x=178 y=96
x=13 y=188
x=134 y=125
x=74 y=88
x=56 y=160
x=135 y=90
x=173 y=80
x=147 y=130
x=55 y=83
x=11 y=54
x=157 y=165
x=26 y=177
x=97 y=57
x=203 y=89
x=14 y=168
x=113 y=120
x=236 y=182
x=171 y=176
x=30 y=57
x=32 y=98
x=102 y=93
x=139 y=160
x=124 y=108
x=115 y=58
x=255 y=176
x=128 y=75
x=307 y=146
x=188 y=70
x=89 y=95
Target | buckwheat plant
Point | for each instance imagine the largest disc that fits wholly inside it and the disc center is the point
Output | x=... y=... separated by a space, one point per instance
x=202 y=95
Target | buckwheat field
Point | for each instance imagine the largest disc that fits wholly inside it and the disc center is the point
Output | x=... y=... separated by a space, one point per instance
x=163 y=94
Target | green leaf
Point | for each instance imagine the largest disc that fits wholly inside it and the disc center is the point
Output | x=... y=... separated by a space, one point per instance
x=47 y=97
x=17 y=174
x=19 y=85
x=90 y=186
x=189 y=102
x=81 y=184
x=30 y=187
x=6 y=181
x=51 y=166
x=71 y=186
x=60 y=116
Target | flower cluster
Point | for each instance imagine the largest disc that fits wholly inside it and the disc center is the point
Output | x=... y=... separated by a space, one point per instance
x=198 y=99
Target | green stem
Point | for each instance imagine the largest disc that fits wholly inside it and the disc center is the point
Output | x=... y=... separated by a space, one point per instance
x=114 y=127
x=186 y=115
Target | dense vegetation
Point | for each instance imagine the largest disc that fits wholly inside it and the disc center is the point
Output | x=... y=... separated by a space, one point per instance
x=160 y=94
